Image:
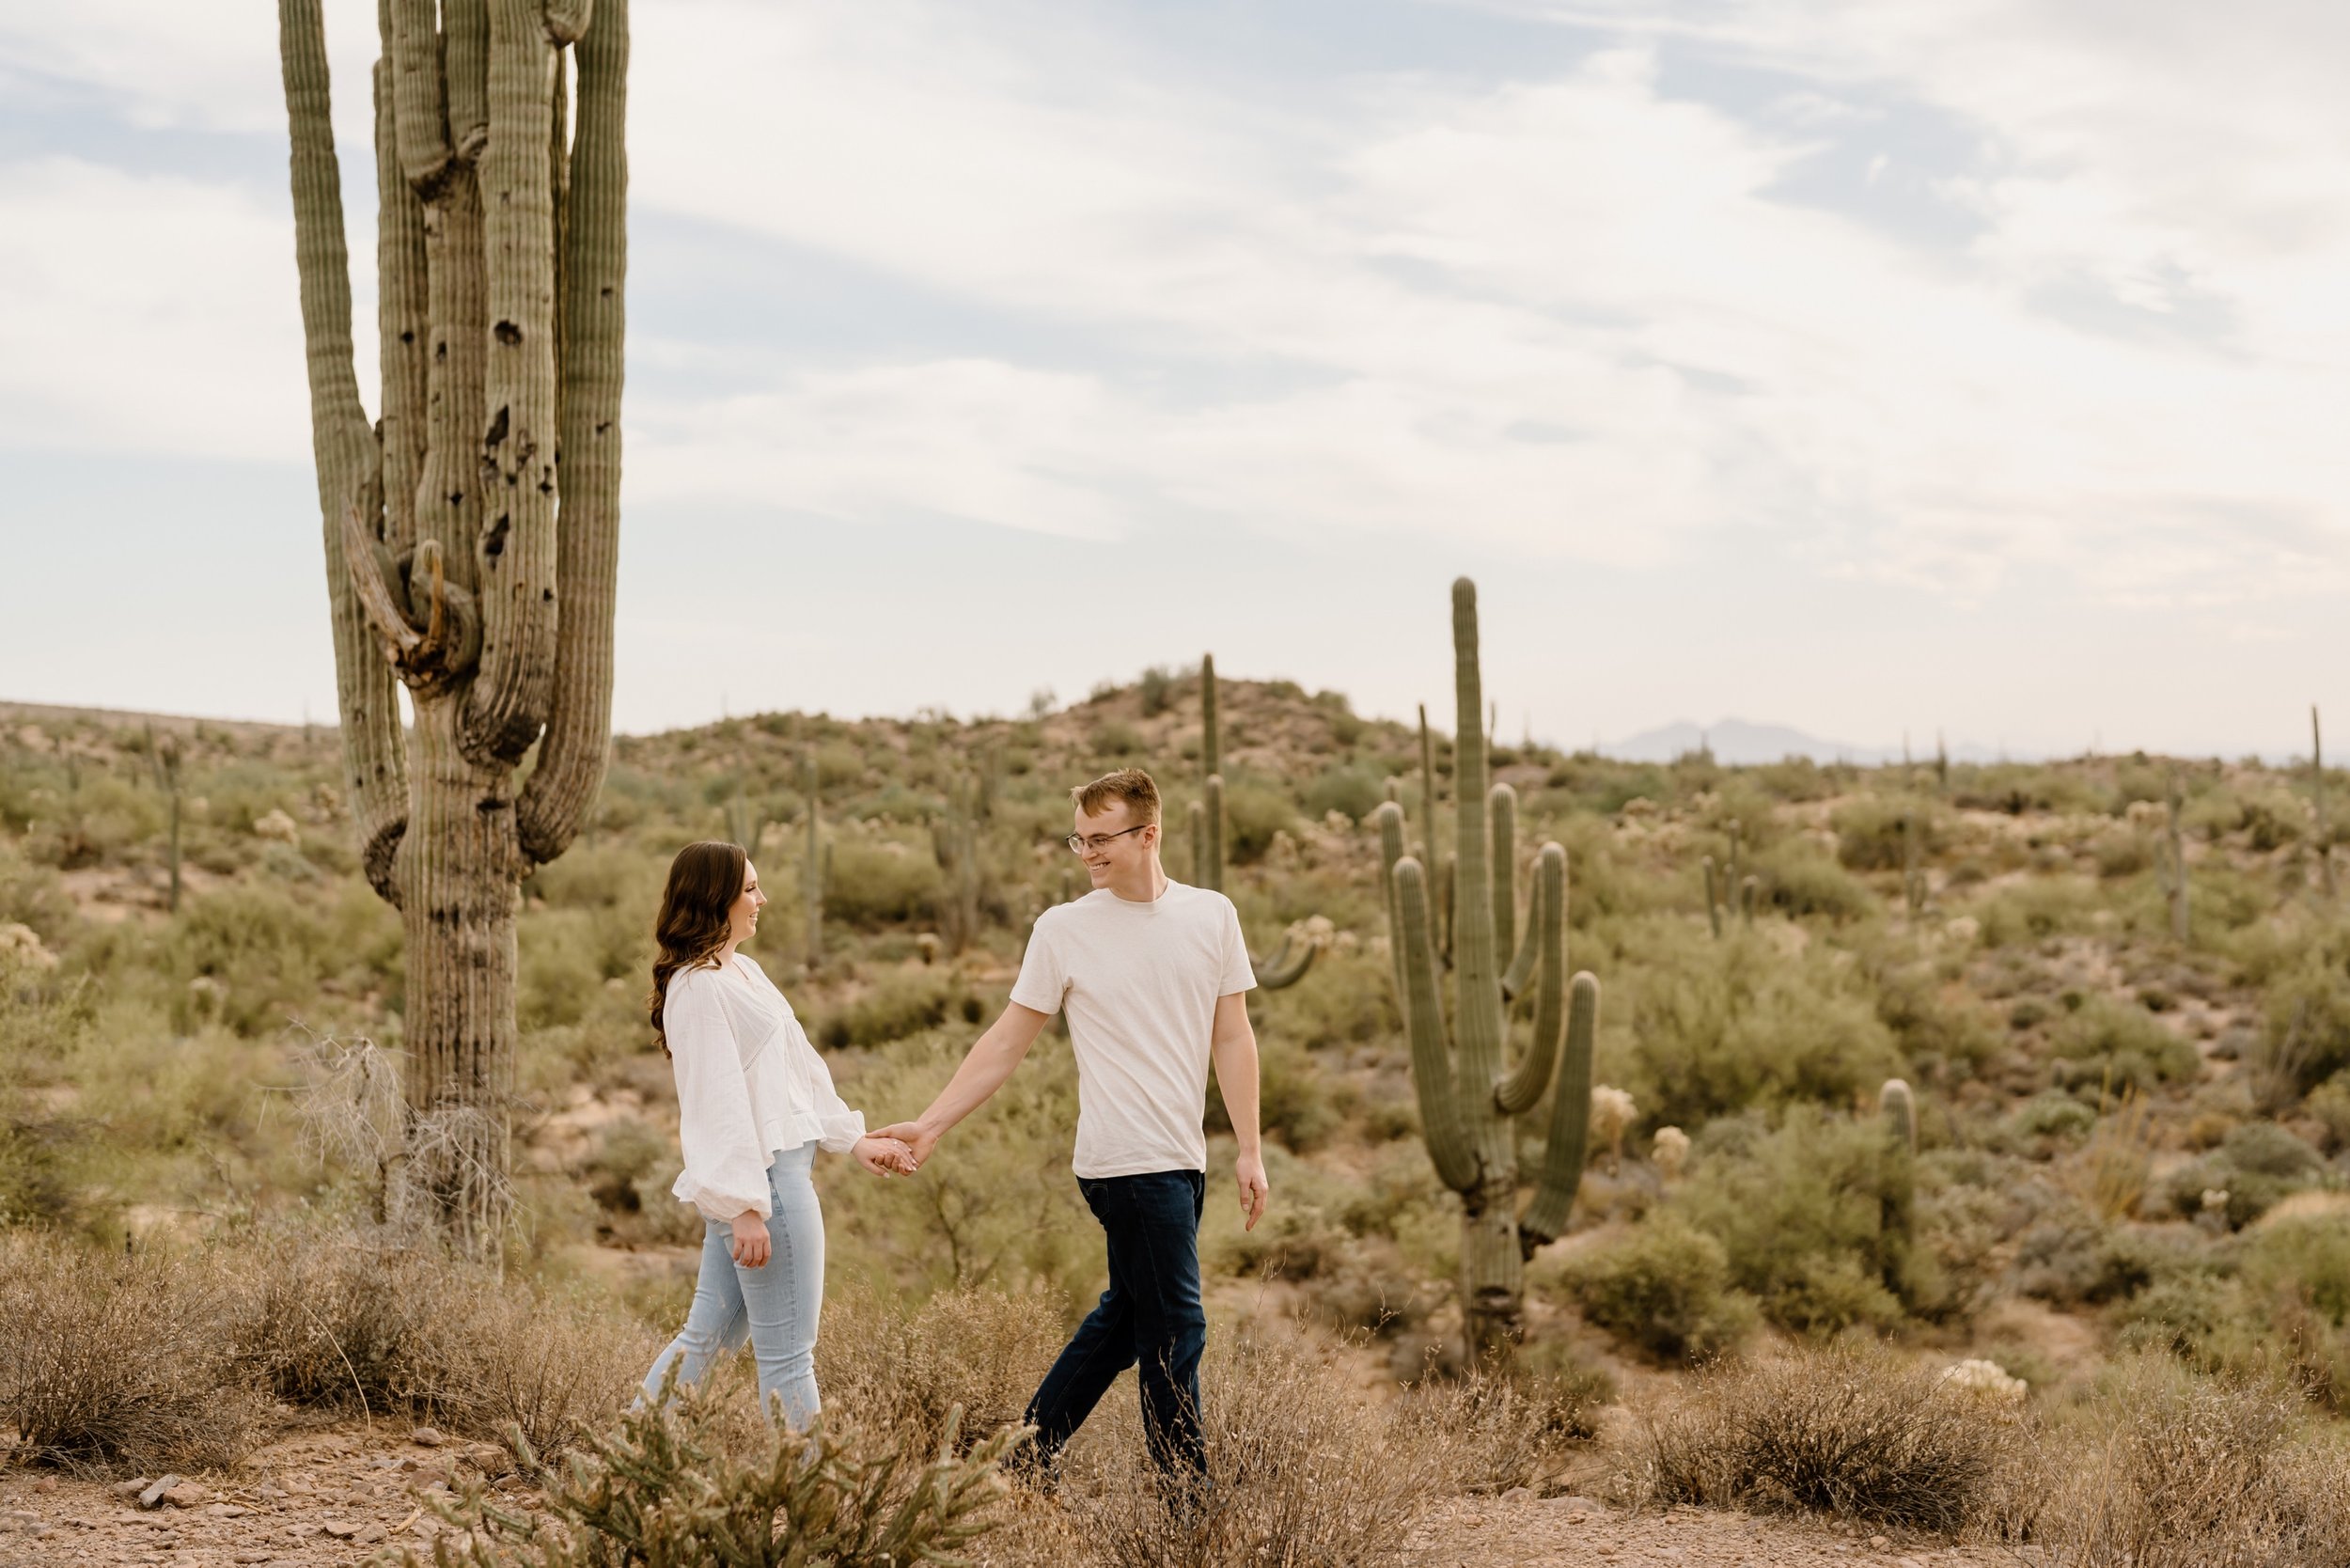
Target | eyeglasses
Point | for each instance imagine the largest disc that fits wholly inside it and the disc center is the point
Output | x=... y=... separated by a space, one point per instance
x=1098 y=841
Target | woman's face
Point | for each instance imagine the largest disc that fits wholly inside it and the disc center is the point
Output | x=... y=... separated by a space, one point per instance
x=742 y=918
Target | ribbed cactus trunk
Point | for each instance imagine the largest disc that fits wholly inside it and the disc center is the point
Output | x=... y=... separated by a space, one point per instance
x=2317 y=802
x=814 y=863
x=472 y=531
x=1469 y=1097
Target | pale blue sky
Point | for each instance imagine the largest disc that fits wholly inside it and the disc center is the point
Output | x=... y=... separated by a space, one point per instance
x=1978 y=365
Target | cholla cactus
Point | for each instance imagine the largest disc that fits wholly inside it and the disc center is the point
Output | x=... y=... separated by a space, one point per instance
x=472 y=528
x=1612 y=1115
x=1469 y=1098
x=1669 y=1153
x=1983 y=1380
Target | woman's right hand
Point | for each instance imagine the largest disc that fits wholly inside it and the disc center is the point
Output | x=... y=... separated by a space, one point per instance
x=751 y=1243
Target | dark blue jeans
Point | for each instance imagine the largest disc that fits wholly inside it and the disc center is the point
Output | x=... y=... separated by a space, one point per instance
x=1150 y=1316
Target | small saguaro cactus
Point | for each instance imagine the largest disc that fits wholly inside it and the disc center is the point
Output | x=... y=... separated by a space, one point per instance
x=2174 y=871
x=1897 y=1108
x=747 y=820
x=955 y=843
x=165 y=754
x=2317 y=802
x=815 y=864
x=1469 y=1097
x=1713 y=898
x=1913 y=874
x=1750 y=895
x=1287 y=964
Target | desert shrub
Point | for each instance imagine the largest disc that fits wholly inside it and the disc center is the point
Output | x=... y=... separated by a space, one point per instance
x=875 y=880
x=2049 y=1117
x=2115 y=1045
x=1721 y=1026
x=1349 y=789
x=1799 y=1210
x=1665 y=1287
x=2174 y=1471
x=2075 y=1260
x=1868 y=835
x=2256 y=1166
x=1297 y=1240
x=1802 y=880
x=35 y=896
x=1253 y=814
x=1936 y=1024
x=348 y=1321
x=1499 y=1426
x=890 y=1368
x=1298 y=1477
x=2041 y=907
x=998 y=1207
x=682 y=1482
x=1848 y=1429
x=902 y=1004
x=2329 y=1105
x=2305 y=1022
x=2296 y=1272
x=268 y=951
x=118 y=1360
x=43 y=1017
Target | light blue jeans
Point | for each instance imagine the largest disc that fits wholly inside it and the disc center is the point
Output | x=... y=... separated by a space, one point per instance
x=775 y=1306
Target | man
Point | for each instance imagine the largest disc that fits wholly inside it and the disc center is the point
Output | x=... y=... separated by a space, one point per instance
x=1153 y=974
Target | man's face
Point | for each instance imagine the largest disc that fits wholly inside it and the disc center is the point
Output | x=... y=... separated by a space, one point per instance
x=1107 y=844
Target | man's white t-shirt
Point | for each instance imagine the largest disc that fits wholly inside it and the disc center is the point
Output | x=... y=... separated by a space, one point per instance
x=1139 y=982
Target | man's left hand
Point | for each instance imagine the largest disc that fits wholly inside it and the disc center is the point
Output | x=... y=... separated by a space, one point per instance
x=1253 y=1190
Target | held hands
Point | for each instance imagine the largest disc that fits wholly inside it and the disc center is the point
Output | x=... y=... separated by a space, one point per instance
x=917 y=1139
x=884 y=1155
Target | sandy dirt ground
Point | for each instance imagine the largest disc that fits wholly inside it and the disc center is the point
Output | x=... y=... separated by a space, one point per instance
x=349 y=1495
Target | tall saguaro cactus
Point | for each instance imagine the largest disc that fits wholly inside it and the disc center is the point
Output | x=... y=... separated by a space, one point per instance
x=1288 y=963
x=471 y=530
x=1469 y=1096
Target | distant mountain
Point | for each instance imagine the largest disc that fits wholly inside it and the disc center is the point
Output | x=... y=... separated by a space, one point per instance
x=1735 y=742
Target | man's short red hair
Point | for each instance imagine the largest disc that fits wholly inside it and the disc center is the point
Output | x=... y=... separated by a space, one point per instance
x=1131 y=785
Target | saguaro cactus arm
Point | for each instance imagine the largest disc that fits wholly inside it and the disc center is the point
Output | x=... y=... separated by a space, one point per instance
x=375 y=761
x=1287 y=964
x=1441 y=1122
x=578 y=740
x=1553 y=1205
x=1546 y=924
x=514 y=560
x=1478 y=987
x=1211 y=733
x=1501 y=802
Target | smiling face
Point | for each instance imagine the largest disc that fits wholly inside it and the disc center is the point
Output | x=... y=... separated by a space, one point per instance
x=743 y=915
x=1111 y=848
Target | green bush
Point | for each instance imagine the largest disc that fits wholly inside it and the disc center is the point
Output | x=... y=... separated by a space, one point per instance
x=2257 y=1165
x=1868 y=836
x=2042 y=907
x=2112 y=1044
x=1799 y=1211
x=1665 y=1287
x=1253 y=814
x=1801 y=879
x=876 y=881
x=1719 y=1027
x=904 y=1003
x=1348 y=788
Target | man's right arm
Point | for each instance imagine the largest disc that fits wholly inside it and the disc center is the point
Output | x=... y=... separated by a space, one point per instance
x=982 y=1072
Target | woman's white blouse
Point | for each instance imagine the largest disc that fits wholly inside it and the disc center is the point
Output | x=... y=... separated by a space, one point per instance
x=749 y=1084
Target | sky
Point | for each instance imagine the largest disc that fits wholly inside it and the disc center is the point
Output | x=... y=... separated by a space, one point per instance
x=1971 y=366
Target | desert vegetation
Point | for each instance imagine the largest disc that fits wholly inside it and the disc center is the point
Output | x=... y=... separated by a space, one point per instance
x=2082 y=1289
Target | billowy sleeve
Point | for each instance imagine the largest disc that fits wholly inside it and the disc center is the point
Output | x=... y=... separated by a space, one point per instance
x=726 y=1170
x=839 y=1127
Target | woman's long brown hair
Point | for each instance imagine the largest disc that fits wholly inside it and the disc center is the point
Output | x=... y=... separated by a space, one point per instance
x=705 y=879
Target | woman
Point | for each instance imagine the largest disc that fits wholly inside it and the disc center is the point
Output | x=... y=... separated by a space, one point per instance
x=754 y=1103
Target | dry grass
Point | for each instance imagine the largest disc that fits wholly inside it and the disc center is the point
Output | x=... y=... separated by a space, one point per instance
x=882 y=1365
x=1300 y=1474
x=116 y=1361
x=2169 y=1469
x=1850 y=1429
x=1494 y=1428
